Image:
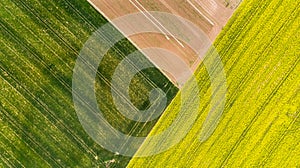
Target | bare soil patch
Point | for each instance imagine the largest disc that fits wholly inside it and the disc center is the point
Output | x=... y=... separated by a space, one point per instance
x=209 y=15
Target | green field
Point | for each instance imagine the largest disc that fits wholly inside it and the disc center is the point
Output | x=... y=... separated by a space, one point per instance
x=260 y=125
x=40 y=41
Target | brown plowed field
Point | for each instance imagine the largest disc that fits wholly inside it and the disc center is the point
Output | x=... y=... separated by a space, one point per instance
x=209 y=15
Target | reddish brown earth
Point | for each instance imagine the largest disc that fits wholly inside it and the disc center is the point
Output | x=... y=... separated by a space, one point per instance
x=208 y=15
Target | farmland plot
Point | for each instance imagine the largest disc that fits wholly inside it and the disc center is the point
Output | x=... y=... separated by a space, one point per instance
x=208 y=15
x=259 y=48
x=40 y=41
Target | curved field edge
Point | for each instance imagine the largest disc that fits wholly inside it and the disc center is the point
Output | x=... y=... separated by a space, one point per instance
x=260 y=125
x=39 y=44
